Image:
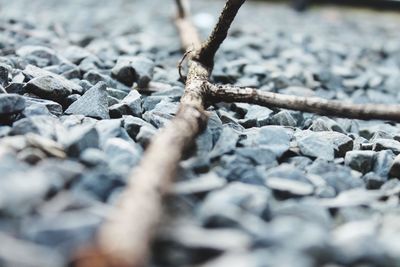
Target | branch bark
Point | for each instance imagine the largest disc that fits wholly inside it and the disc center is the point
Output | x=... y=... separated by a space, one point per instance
x=124 y=240
x=228 y=93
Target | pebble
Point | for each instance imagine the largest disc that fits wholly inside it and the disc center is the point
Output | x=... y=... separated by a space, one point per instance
x=92 y=104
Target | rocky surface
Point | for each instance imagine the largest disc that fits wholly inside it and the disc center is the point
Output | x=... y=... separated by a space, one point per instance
x=264 y=187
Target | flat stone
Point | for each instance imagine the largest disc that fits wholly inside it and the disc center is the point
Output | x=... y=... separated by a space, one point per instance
x=324 y=145
x=122 y=156
x=93 y=103
x=226 y=142
x=292 y=187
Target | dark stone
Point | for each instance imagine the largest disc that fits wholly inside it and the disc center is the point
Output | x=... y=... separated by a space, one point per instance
x=46 y=80
x=361 y=161
x=134 y=69
x=11 y=104
x=93 y=103
x=395 y=167
x=133 y=125
x=373 y=181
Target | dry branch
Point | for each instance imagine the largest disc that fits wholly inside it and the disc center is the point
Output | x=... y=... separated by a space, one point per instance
x=228 y=93
x=124 y=240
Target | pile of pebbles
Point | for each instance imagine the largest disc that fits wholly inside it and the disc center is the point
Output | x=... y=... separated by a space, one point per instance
x=84 y=87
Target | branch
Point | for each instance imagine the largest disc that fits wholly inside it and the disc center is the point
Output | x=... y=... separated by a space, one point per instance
x=210 y=47
x=124 y=240
x=227 y=93
x=189 y=36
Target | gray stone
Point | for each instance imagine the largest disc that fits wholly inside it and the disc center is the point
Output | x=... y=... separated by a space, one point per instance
x=53 y=107
x=373 y=181
x=133 y=125
x=129 y=105
x=80 y=138
x=122 y=156
x=226 y=142
x=93 y=157
x=275 y=138
x=201 y=185
x=93 y=103
x=134 y=69
x=324 y=145
x=283 y=118
x=32 y=72
x=45 y=126
x=291 y=187
x=361 y=161
x=145 y=134
x=383 y=162
x=11 y=104
x=383 y=144
x=326 y=124
x=38 y=55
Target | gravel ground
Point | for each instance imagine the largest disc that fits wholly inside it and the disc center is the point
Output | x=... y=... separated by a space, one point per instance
x=263 y=188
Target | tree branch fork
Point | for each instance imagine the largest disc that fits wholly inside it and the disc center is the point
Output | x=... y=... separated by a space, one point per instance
x=124 y=239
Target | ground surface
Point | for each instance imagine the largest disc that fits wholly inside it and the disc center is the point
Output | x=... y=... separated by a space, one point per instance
x=264 y=187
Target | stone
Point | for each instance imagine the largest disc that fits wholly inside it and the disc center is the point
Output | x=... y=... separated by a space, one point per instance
x=99 y=182
x=383 y=162
x=129 y=105
x=93 y=103
x=32 y=72
x=383 y=144
x=226 y=142
x=23 y=253
x=80 y=138
x=373 y=181
x=93 y=157
x=134 y=69
x=38 y=55
x=145 y=134
x=122 y=155
x=53 y=107
x=201 y=185
x=361 y=161
x=256 y=116
x=291 y=187
x=324 y=145
x=133 y=125
x=395 y=167
x=11 y=104
x=275 y=138
x=45 y=126
x=322 y=124
x=283 y=118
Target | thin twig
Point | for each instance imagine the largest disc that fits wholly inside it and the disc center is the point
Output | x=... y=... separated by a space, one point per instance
x=228 y=93
x=180 y=65
x=210 y=47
